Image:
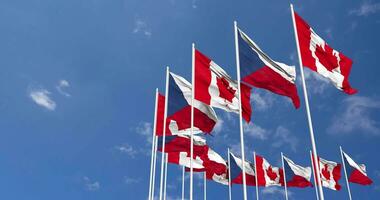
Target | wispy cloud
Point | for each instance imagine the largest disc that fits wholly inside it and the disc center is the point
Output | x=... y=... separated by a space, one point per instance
x=262 y=100
x=235 y=148
x=141 y=27
x=194 y=4
x=328 y=32
x=355 y=115
x=145 y=129
x=62 y=85
x=42 y=98
x=256 y=131
x=127 y=149
x=275 y=191
x=293 y=56
x=282 y=137
x=91 y=185
x=316 y=84
x=130 y=180
x=218 y=126
x=366 y=8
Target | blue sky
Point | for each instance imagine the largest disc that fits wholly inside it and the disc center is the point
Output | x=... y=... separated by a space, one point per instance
x=78 y=78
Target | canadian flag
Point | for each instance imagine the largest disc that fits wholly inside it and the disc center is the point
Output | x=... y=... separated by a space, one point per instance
x=267 y=175
x=182 y=143
x=330 y=173
x=214 y=166
x=183 y=158
x=214 y=87
x=321 y=58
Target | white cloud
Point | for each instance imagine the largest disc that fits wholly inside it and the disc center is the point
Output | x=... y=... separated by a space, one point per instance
x=141 y=27
x=129 y=180
x=328 y=32
x=256 y=131
x=145 y=129
x=218 y=127
x=230 y=116
x=235 y=148
x=283 y=137
x=315 y=83
x=279 y=137
x=293 y=56
x=91 y=185
x=41 y=97
x=127 y=149
x=275 y=191
x=366 y=8
x=62 y=84
x=356 y=116
x=261 y=100
x=194 y=4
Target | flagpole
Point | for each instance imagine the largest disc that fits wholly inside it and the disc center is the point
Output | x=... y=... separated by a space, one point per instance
x=192 y=120
x=229 y=175
x=164 y=132
x=204 y=186
x=257 y=183
x=315 y=181
x=285 y=183
x=166 y=174
x=183 y=182
x=240 y=110
x=154 y=166
x=153 y=141
x=307 y=105
x=345 y=173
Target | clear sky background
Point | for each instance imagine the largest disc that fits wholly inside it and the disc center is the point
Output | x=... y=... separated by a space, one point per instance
x=77 y=86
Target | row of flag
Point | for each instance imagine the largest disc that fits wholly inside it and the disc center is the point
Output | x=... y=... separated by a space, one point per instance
x=219 y=170
x=187 y=109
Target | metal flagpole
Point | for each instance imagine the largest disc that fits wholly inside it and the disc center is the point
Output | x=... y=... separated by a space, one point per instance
x=153 y=140
x=314 y=148
x=204 y=186
x=257 y=182
x=192 y=120
x=183 y=182
x=166 y=174
x=345 y=173
x=240 y=110
x=285 y=183
x=154 y=166
x=315 y=181
x=229 y=175
x=164 y=132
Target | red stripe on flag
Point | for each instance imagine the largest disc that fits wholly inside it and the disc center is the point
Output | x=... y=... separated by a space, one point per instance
x=202 y=77
x=160 y=115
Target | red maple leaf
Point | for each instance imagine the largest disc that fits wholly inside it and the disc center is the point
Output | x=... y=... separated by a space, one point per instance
x=271 y=174
x=225 y=90
x=326 y=57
